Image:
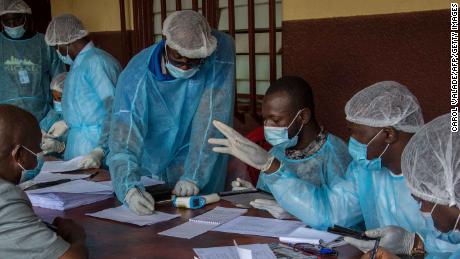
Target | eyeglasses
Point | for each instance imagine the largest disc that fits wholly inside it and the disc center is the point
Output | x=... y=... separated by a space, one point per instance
x=192 y=63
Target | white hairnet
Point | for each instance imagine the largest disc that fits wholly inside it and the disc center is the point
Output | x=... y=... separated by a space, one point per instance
x=385 y=104
x=14 y=6
x=57 y=84
x=64 y=29
x=431 y=163
x=189 y=33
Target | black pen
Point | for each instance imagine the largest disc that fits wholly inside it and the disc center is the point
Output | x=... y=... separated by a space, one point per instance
x=376 y=246
x=50 y=226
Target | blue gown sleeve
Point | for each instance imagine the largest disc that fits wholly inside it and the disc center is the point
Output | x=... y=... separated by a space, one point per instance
x=103 y=77
x=202 y=165
x=129 y=126
x=318 y=206
x=51 y=117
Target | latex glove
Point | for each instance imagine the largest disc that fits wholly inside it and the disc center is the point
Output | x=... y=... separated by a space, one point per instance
x=50 y=145
x=241 y=148
x=395 y=239
x=381 y=253
x=140 y=202
x=93 y=159
x=58 y=129
x=272 y=207
x=185 y=188
x=240 y=184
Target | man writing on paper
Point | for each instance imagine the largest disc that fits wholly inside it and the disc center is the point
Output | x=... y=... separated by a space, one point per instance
x=22 y=233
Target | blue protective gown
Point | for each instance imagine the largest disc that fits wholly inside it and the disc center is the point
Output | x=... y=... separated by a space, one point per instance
x=87 y=100
x=160 y=128
x=52 y=117
x=25 y=74
x=379 y=197
x=321 y=168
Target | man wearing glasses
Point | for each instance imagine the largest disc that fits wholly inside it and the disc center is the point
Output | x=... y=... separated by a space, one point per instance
x=165 y=102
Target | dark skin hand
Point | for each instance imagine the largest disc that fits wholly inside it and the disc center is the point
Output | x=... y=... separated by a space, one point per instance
x=278 y=111
x=396 y=141
x=15 y=20
x=19 y=130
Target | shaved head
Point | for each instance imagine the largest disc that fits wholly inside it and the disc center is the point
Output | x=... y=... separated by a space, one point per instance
x=17 y=128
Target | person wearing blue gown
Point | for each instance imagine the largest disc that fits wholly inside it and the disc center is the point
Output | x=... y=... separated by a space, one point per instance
x=28 y=64
x=89 y=90
x=165 y=101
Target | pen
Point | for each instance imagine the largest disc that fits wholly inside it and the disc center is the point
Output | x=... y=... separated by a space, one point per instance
x=142 y=195
x=376 y=246
x=50 y=226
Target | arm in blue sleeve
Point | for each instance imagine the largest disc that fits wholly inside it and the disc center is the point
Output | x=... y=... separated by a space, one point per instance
x=318 y=206
x=216 y=104
x=128 y=129
x=51 y=117
x=103 y=77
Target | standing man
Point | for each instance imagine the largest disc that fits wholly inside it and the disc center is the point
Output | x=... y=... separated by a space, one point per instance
x=166 y=100
x=27 y=63
x=88 y=93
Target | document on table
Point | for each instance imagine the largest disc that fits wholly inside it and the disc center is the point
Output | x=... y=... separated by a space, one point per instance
x=309 y=236
x=244 y=199
x=123 y=214
x=146 y=181
x=62 y=166
x=45 y=177
x=204 y=222
x=258 y=251
x=260 y=226
x=77 y=186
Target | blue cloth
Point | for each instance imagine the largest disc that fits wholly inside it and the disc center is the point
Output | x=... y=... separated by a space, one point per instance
x=155 y=63
x=161 y=128
x=87 y=100
x=37 y=64
x=52 y=117
x=438 y=247
x=331 y=161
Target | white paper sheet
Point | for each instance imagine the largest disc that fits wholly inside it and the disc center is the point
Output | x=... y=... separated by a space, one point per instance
x=259 y=251
x=45 y=177
x=146 y=181
x=310 y=236
x=123 y=214
x=62 y=166
x=77 y=186
x=188 y=230
x=219 y=215
x=64 y=201
x=260 y=226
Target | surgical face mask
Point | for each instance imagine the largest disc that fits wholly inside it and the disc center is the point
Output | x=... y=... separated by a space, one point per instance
x=29 y=174
x=57 y=106
x=15 y=32
x=279 y=136
x=180 y=73
x=358 y=152
x=452 y=236
x=65 y=59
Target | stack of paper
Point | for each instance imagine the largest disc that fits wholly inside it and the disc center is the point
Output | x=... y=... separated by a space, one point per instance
x=204 y=222
x=123 y=214
x=260 y=226
x=69 y=195
x=309 y=236
x=62 y=166
x=255 y=251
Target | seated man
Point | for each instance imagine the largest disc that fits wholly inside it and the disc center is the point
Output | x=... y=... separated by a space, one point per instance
x=22 y=233
x=290 y=126
x=382 y=118
x=430 y=165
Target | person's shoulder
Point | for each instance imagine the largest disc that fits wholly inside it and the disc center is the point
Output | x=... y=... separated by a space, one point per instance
x=10 y=192
x=137 y=67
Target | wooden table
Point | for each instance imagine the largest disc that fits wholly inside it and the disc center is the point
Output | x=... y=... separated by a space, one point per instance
x=110 y=239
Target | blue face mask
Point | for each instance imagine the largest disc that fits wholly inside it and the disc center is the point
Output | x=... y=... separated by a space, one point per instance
x=279 y=136
x=29 y=174
x=358 y=152
x=15 y=32
x=65 y=59
x=453 y=236
x=57 y=106
x=180 y=73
